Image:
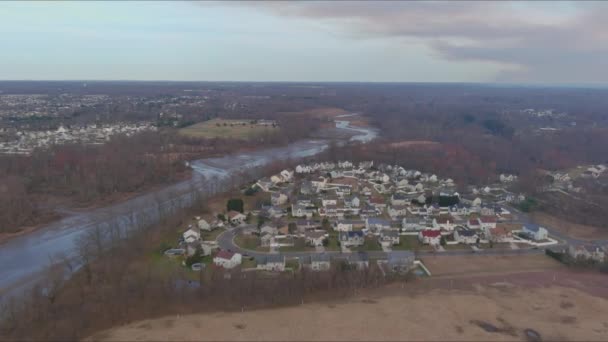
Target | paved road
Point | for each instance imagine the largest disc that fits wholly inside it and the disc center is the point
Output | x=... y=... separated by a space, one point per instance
x=226 y=241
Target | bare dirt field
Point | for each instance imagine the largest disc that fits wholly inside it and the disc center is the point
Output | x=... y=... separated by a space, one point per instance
x=442 y=266
x=481 y=309
x=222 y=128
x=577 y=231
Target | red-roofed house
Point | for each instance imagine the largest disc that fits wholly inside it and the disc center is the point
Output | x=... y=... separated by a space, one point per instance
x=227 y=259
x=235 y=217
x=474 y=224
x=487 y=222
x=429 y=236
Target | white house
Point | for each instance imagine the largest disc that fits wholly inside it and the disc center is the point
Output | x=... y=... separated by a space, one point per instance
x=397 y=210
x=235 y=217
x=352 y=202
x=318 y=261
x=299 y=210
x=191 y=235
x=353 y=238
x=203 y=225
x=278 y=198
x=389 y=238
x=343 y=226
x=329 y=201
x=272 y=263
x=429 y=237
x=443 y=222
x=268 y=228
x=314 y=238
x=487 y=222
x=535 y=232
x=286 y=175
x=587 y=251
x=227 y=259
x=377 y=224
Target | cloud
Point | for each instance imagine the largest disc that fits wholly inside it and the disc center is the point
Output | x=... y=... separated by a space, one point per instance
x=532 y=42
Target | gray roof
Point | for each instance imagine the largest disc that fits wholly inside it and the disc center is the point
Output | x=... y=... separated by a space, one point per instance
x=270 y=258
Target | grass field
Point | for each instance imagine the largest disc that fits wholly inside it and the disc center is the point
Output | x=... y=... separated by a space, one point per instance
x=221 y=128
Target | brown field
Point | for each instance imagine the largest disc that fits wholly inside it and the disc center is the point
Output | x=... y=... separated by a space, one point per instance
x=481 y=265
x=577 y=231
x=414 y=143
x=325 y=112
x=221 y=128
x=483 y=310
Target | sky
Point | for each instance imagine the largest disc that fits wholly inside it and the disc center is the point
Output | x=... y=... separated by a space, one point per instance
x=315 y=41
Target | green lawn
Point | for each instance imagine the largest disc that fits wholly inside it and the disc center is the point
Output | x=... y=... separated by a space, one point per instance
x=370 y=244
x=248 y=263
x=407 y=242
x=332 y=242
x=212 y=235
x=298 y=246
x=247 y=242
x=221 y=128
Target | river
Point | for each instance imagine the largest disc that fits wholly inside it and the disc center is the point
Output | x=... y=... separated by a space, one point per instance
x=24 y=258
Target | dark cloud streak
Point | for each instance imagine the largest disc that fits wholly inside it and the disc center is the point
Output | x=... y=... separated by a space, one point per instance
x=531 y=45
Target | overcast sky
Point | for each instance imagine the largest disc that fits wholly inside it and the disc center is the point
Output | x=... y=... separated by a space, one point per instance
x=476 y=41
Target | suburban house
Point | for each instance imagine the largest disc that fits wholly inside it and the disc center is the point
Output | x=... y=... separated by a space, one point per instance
x=299 y=210
x=459 y=209
x=327 y=201
x=191 y=235
x=377 y=202
x=429 y=236
x=278 y=198
x=443 y=222
x=399 y=199
x=271 y=262
x=535 y=232
x=203 y=225
x=377 y=224
x=474 y=224
x=389 y=238
x=397 y=210
x=268 y=228
x=272 y=212
x=343 y=226
x=412 y=225
x=314 y=238
x=305 y=225
x=286 y=175
x=587 y=251
x=352 y=202
x=235 y=217
x=317 y=261
x=400 y=261
x=487 y=222
x=368 y=210
x=264 y=184
x=498 y=234
x=227 y=259
x=352 y=238
x=466 y=236
x=267 y=240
